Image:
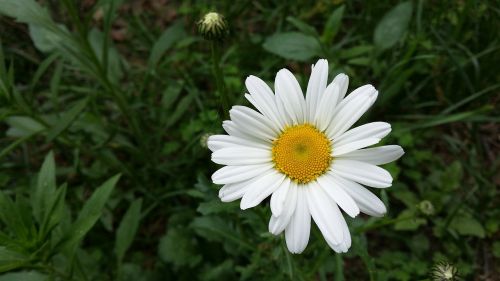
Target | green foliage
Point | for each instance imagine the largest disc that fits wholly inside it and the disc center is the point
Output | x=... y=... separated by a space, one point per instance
x=293 y=45
x=127 y=229
x=393 y=25
x=107 y=88
x=32 y=240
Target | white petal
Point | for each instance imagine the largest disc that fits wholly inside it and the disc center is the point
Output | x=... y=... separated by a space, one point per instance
x=377 y=155
x=327 y=105
x=289 y=93
x=357 y=92
x=239 y=155
x=216 y=142
x=298 y=230
x=260 y=189
x=240 y=132
x=262 y=97
x=325 y=213
x=368 y=202
x=328 y=184
x=346 y=242
x=279 y=223
x=347 y=236
x=233 y=174
x=362 y=172
x=371 y=130
x=349 y=113
x=315 y=88
x=233 y=191
x=352 y=146
x=255 y=123
x=278 y=199
x=342 y=81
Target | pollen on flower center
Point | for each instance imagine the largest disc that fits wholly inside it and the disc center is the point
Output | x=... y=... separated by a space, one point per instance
x=302 y=153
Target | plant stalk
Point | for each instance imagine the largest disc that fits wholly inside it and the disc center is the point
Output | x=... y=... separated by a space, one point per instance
x=219 y=79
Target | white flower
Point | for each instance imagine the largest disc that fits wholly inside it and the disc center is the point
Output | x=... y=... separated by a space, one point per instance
x=301 y=151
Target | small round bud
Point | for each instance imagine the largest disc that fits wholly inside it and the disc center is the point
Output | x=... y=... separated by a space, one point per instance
x=204 y=140
x=213 y=26
x=426 y=208
x=444 y=271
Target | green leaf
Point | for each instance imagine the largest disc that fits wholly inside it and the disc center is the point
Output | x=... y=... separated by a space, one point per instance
x=406 y=196
x=332 y=25
x=23 y=126
x=45 y=188
x=127 y=229
x=467 y=226
x=26 y=11
x=357 y=51
x=302 y=26
x=90 y=213
x=408 y=221
x=169 y=37
x=55 y=212
x=24 y=276
x=114 y=61
x=182 y=106
x=216 y=229
x=496 y=249
x=216 y=206
x=179 y=248
x=67 y=119
x=10 y=260
x=393 y=25
x=10 y=215
x=46 y=40
x=293 y=45
x=222 y=271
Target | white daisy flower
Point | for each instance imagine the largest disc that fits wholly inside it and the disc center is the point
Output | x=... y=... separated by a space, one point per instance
x=302 y=153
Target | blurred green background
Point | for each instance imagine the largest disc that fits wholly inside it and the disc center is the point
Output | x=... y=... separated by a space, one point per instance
x=118 y=97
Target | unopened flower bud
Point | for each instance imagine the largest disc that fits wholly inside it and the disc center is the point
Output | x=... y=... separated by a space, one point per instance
x=426 y=208
x=213 y=26
x=204 y=140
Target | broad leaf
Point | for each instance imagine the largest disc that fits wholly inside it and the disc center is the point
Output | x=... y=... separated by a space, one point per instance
x=128 y=228
x=45 y=188
x=10 y=260
x=178 y=247
x=293 y=45
x=23 y=126
x=90 y=213
x=332 y=25
x=393 y=25
x=467 y=226
x=169 y=37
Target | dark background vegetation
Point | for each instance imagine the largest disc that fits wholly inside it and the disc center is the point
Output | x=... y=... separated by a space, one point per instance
x=126 y=87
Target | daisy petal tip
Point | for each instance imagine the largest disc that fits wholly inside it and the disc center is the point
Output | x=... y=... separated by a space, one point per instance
x=322 y=62
x=401 y=152
x=246 y=204
x=354 y=213
x=250 y=80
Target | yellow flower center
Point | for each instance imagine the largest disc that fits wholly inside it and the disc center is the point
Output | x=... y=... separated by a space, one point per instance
x=302 y=153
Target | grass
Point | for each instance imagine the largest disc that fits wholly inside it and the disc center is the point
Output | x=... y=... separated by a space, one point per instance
x=101 y=88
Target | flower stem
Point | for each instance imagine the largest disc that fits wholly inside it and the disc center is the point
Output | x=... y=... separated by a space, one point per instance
x=219 y=79
x=339 y=267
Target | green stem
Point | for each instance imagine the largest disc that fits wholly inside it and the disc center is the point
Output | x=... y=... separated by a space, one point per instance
x=219 y=79
x=288 y=259
x=339 y=267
